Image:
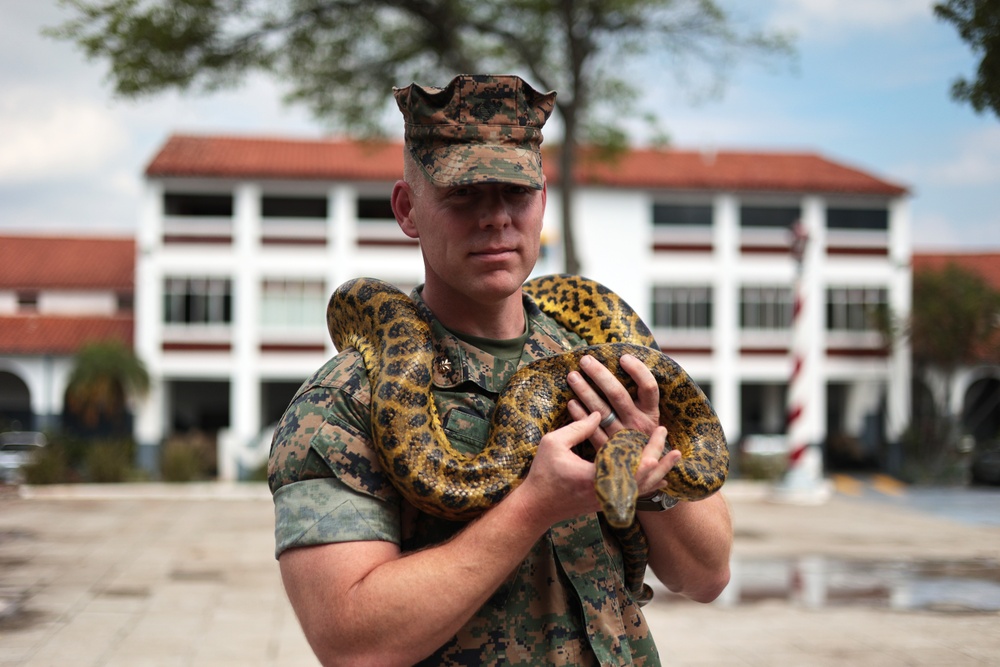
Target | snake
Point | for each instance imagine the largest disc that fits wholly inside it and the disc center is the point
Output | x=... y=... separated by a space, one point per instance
x=396 y=346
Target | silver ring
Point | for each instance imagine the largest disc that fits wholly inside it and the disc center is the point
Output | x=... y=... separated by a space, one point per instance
x=607 y=421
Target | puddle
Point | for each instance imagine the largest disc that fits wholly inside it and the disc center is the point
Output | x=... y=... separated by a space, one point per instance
x=969 y=586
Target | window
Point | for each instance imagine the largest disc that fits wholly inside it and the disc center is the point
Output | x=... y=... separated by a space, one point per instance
x=198 y=301
x=765 y=307
x=769 y=216
x=682 y=215
x=293 y=207
x=27 y=300
x=855 y=308
x=198 y=205
x=375 y=208
x=293 y=304
x=682 y=307
x=857 y=218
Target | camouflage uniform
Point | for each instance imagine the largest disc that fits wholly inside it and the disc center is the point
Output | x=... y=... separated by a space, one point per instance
x=566 y=603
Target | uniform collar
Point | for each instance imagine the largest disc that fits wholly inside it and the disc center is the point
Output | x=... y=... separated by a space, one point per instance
x=456 y=361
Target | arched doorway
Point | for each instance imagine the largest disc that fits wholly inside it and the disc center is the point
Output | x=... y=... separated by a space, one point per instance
x=15 y=404
x=981 y=410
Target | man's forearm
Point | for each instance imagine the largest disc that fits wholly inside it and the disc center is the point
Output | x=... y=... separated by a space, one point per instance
x=377 y=607
x=689 y=547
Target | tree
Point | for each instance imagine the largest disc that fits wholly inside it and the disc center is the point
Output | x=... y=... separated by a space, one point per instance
x=953 y=323
x=105 y=375
x=338 y=57
x=978 y=24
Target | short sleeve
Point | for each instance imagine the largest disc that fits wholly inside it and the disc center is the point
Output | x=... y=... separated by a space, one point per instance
x=325 y=510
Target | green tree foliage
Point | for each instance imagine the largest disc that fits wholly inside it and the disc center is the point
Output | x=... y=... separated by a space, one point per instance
x=954 y=319
x=953 y=323
x=340 y=57
x=105 y=375
x=978 y=24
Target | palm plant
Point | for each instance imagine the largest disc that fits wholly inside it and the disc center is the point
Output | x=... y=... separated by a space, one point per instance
x=105 y=376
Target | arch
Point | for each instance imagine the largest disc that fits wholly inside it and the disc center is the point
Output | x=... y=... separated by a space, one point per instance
x=981 y=408
x=15 y=403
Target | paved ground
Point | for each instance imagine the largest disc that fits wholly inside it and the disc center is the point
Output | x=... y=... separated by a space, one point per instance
x=160 y=575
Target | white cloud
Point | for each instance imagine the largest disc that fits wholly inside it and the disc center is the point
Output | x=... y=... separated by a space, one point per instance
x=45 y=136
x=975 y=162
x=828 y=18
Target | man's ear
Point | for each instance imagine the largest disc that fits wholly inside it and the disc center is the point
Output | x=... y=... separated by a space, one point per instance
x=402 y=207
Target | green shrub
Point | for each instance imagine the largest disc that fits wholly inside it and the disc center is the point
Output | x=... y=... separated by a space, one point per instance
x=109 y=461
x=51 y=466
x=763 y=467
x=188 y=457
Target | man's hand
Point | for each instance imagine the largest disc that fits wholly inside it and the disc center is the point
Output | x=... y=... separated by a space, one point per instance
x=641 y=414
x=560 y=484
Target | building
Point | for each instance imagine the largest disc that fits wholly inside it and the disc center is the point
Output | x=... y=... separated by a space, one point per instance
x=241 y=240
x=56 y=295
x=974 y=390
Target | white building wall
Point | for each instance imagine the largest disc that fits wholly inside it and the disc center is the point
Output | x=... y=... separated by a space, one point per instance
x=69 y=302
x=244 y=392
x=725 y=376
x=613 y=234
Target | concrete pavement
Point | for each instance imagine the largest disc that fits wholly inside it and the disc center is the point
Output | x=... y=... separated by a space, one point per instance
x=183 y=575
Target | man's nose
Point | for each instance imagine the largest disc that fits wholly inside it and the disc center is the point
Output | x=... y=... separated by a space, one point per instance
x=495 y=211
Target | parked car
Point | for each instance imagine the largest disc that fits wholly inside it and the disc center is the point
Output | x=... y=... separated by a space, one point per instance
x=985 y=466
x=18 y=449
x=763 y=455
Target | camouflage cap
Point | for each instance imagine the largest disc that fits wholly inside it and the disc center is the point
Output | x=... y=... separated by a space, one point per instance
x=478 y=129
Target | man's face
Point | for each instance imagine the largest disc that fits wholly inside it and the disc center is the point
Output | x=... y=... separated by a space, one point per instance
x=478 y=241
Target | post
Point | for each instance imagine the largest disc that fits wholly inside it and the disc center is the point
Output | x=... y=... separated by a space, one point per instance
x=803 y=480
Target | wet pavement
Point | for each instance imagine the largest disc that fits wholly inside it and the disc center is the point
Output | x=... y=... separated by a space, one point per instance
x=136 y=575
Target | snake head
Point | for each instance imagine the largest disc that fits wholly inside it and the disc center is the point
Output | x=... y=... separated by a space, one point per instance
x=614 y=476
x=617 y=495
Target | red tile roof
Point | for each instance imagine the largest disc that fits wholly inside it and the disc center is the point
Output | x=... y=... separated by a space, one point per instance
x=48 y=334
x=249 y=157
x=735 y=171
x=41 y=262
x=985 y=264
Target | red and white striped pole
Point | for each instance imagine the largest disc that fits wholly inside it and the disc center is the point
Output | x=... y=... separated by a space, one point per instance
x=797 y=439
x=803 y=479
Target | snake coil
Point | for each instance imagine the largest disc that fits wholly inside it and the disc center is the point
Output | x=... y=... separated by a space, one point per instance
x=396 y=345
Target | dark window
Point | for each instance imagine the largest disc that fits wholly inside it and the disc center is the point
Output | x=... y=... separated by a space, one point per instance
x=857 y=218
x=682 y=214
x=293 y=207
x=856 y=308
x=27 y=300
x=198 y=301
x=216 y=206
x=682 y=307
x=765 y=307
x=769 y=216
x=375 y=208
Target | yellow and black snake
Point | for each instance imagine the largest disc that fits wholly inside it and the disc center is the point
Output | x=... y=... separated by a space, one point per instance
x=395 y=343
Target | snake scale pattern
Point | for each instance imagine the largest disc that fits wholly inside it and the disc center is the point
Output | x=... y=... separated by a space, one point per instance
x=395 y=343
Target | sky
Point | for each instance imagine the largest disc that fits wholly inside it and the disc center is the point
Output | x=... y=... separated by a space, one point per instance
x=869 y=87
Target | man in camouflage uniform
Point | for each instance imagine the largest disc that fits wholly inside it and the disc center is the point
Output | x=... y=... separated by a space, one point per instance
x=537 y=579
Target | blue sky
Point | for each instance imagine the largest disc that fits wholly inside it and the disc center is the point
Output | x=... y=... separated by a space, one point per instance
x=869 y=88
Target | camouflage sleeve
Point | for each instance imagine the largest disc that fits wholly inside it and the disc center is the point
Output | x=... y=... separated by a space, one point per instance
x=323 y=472
x=324 y=511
